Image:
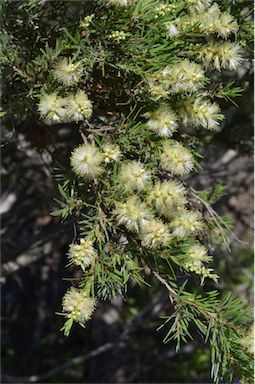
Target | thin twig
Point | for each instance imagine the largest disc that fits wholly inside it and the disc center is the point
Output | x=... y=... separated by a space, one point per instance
x=102 y=129
x=217 y=219
x=215 y=216
x=171 y=292
x=94 y=128
x=84 y=138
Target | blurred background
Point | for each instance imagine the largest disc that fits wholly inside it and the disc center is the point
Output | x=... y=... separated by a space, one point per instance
x=121 y=343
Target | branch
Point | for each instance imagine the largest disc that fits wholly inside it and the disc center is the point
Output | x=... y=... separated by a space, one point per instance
x=216 y=218
x=171 y=292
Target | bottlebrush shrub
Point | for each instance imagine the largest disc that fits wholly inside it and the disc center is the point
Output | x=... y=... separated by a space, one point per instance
x=138 y=78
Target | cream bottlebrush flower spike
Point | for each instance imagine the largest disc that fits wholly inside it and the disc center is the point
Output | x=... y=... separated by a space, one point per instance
x=83 y=254
x=186 y=223
x=176 y=159
x=133 y=213
x=163 y=121
x=213 y=21
x=79 y=107
x=221 y=55
x=67 y=72
x=157 y=90
x=52 y=108
x=86 y=160
x=77 y=306
x=154 y=234
x=197 y=255
x=226 y=25
x=185 y=76
x=200 y=112
x=133 y=176
x=168 y=197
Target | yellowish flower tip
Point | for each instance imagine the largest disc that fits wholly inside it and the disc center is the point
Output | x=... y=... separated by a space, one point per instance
x=198 y=5
x=133 y=176
x=186 y=223
x=197 y=255
x=168 y=197
x=111 y=153
x=176 y=159
x=185 y=76
x=163 y=121
x=86 y=160
x=85 y=23
x=224 y=55
x=78 y=306
x=83 y=254
x=200 y=112
x=79 y=107
x=163 y=9
x=213 y=21
x=203 y=271
x=118 y=36
x=52 y=108
x=68 y=73
x=133 y=213
x=154 y=234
